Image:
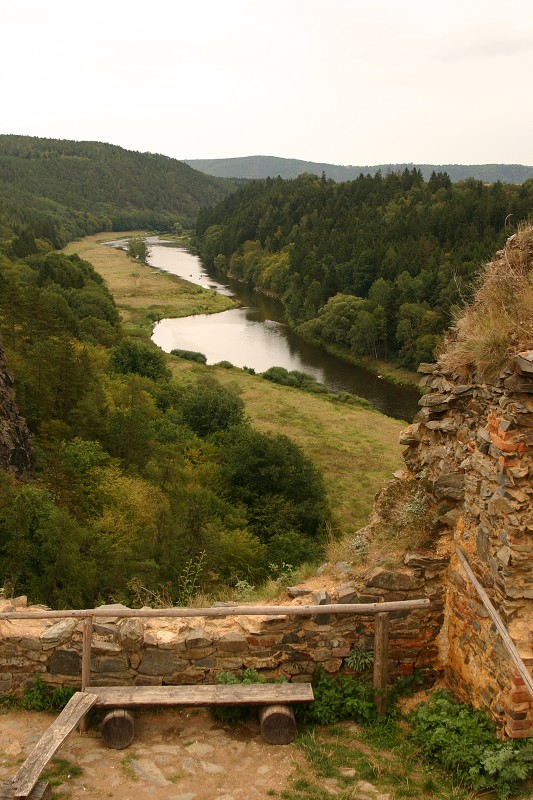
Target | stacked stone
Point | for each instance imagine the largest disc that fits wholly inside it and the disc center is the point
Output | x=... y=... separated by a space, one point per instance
x=151 y=651
x=470 y=448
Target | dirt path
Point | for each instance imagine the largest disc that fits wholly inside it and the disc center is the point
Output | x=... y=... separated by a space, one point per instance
x=176 y=755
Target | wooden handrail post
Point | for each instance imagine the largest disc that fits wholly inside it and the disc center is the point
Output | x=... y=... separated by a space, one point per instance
x=86 y=653
x=381 y=654
x=86 y=663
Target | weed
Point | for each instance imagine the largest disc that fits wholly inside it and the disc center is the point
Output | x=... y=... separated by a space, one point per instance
x=41 y=697
x=244 y=590
x=359 y=658
x=127 y=766
x=359 y=545
x=59 y=770
x=233 y=714
x=189 y=580
x=155 y=598
x=338 y=698
x=463 y=741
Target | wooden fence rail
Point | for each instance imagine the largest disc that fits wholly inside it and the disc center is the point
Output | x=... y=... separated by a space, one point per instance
x=498 y=622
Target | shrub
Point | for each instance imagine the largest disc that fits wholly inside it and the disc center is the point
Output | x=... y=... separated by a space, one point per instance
x=132 y=356
x=463 y=741
x=232 y=714
x=339 y=698
x=209 y=407
x=42 y=698
x=189 y=355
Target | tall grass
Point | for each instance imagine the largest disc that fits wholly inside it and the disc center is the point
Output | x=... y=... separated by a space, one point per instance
x=499 y=321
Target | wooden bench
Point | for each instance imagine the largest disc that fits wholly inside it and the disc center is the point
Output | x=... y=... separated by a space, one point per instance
x=26 y=782
x=278 y=725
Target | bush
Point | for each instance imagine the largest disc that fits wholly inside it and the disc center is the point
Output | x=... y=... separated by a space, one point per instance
x=189 y=355
x=295 y=378
x=41 y=697
x=131 y=356
x=463 y=741
x=209 y=407
x=339 y=698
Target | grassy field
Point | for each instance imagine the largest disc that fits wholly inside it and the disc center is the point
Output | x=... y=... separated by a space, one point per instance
x=144 y=294
x=355 y=448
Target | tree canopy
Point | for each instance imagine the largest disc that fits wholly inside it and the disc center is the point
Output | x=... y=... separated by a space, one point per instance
x=375 y=265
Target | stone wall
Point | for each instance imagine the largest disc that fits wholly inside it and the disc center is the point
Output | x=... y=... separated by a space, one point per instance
x=469 y=447
x=153 y=651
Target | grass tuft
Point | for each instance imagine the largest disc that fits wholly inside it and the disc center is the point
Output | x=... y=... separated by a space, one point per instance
x=499 y=321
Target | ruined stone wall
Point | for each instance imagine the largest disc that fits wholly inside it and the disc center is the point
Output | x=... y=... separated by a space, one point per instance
x=153 y=651
x=470 y=448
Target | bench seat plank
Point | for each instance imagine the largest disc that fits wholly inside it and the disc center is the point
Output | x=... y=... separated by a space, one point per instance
x=203 y=695
x=51 y=740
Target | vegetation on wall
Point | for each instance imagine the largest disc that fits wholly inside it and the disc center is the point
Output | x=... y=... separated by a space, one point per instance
x=373 y=266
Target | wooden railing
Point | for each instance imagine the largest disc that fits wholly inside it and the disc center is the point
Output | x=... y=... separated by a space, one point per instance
x=498 y=622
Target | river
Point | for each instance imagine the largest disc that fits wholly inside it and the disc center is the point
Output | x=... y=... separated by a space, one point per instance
x=256 y=336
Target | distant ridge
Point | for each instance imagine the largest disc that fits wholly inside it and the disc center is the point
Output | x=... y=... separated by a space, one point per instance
x=271 y=167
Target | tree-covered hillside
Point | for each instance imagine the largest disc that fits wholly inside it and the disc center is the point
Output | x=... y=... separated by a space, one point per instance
x=54 y=190
x=142 y=488
x=252 y=167
x=373 y=265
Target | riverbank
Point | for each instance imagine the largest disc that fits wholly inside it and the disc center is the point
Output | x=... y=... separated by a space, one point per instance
x=355 y=448
x=387 y=370
x=145 y=294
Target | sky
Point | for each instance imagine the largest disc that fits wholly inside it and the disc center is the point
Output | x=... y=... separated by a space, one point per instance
x=333 y=81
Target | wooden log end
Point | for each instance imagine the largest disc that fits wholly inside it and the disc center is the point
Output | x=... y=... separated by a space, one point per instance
x=118 y=729
x=278 y=725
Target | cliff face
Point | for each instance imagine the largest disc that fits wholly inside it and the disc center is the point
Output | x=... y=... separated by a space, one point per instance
x=15 y=446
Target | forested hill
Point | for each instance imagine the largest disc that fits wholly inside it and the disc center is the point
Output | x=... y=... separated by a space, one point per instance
x=272 y=167
x=57 y=190
x=373 y=265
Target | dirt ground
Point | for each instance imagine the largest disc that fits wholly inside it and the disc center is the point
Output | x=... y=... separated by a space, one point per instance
x=176 y=755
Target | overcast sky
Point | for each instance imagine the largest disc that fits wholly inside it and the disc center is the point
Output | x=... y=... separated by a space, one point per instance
x=337 y=81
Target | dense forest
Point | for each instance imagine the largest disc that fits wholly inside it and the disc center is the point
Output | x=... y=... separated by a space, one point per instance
x=252 y=167
x=143 y=489
x=52 y=191
x=374 y=266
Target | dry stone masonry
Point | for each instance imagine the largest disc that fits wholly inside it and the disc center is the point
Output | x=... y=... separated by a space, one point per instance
x=470 y=448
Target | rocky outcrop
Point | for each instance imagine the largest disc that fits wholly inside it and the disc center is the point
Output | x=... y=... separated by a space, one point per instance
x=15 y=446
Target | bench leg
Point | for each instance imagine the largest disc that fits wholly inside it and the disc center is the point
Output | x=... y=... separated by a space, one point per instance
x=278 y=725
x=118 y=729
